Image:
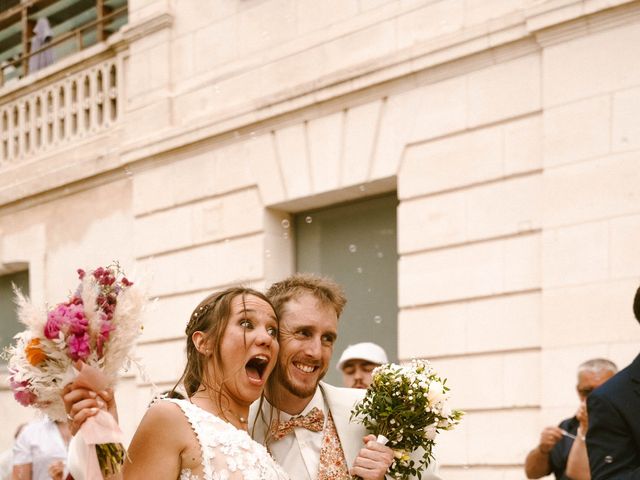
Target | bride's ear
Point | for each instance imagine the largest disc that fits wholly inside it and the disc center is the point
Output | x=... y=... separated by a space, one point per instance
x=202 y=345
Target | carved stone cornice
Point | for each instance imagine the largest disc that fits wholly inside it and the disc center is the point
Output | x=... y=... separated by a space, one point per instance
x=559 y=21
x=147 y=26
x=514 y=34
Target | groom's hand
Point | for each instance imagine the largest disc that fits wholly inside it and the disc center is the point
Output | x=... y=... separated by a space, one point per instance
x=373 y=460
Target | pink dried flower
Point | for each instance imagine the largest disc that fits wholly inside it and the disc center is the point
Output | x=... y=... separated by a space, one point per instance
x=53 y=326
x=21 y=392
x=75 y=300
x=78 y=326
x=79 y=346
x=66 y=317
x=105 y=329
x=126 y=282
x=81 y=273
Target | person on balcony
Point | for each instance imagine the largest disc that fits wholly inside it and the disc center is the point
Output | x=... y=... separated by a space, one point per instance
x=42 y=35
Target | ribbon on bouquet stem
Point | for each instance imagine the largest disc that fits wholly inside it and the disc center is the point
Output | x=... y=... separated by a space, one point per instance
x=102 y=428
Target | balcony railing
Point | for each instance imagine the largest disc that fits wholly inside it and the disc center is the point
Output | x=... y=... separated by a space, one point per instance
x=65 y=44
x=60 y=112
x=68 y=26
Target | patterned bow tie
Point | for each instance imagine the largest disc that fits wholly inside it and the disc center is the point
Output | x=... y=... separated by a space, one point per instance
x=314 y=421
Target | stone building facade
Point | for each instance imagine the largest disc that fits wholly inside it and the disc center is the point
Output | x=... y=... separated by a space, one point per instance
x=507 y=129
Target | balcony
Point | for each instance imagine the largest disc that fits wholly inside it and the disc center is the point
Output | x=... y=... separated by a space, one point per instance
x=74 y=99
x=35 y=30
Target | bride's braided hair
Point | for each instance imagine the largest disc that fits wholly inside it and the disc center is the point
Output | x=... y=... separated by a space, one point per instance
x=211 y=316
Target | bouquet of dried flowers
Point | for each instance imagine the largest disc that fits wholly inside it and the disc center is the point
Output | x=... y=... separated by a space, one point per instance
x=406 y=406
x=97 y=325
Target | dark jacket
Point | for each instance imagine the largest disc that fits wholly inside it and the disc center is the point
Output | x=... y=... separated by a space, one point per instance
x=613 y=438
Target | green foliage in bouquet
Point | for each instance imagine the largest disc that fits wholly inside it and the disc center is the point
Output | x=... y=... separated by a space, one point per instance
x=409 y=406
x=110 y=458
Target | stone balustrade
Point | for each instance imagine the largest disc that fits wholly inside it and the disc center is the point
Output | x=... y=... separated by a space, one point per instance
x=54 y=113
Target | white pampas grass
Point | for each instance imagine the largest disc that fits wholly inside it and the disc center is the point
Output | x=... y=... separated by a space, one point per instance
x=30 y=316
x=89 y=295
x=127 y=320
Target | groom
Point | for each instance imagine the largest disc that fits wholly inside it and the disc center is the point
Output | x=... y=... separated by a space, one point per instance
x=320 y=443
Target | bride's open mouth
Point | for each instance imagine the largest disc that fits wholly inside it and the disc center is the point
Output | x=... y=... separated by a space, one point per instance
x=256 y=367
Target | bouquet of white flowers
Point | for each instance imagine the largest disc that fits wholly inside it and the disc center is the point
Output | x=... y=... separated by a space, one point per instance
x=408 y=405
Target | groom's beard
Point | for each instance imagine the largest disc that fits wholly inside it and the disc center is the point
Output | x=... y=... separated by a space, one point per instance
x=298 y=389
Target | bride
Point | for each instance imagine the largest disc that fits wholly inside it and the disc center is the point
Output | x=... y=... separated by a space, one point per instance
x=232 y=348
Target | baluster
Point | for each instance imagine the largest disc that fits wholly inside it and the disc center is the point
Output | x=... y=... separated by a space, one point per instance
x=93 y=99
x=67 y=110
x=4 y=139
x=60 y=113
x=99 y=98
x=49 y=117
x=74 y=107
x=21 y=130
x=10 y=155
x=15 y=116
x=106 y=88
x=85 y=105
x=53 y=115
x=39 y=122
x=45 y=120
x=113 y=91
x=28 y=126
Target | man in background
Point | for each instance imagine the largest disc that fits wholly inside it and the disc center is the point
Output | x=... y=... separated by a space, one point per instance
x=562 y=450
x=613 y=439
x=357 y=363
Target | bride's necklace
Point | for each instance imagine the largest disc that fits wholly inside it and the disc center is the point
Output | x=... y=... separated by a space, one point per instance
x=240 y=418
x=243 y=420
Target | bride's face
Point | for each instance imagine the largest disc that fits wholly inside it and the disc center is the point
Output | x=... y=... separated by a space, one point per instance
x=249 y=348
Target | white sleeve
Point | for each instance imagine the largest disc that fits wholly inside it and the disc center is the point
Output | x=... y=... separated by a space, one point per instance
x=22 y=448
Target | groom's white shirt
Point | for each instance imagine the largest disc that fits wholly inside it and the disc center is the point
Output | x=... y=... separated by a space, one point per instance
x=302 y=446
x=293 y=451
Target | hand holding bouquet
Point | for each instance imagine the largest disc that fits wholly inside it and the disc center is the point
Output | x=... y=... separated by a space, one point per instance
x=408 y=405
x=97 y=326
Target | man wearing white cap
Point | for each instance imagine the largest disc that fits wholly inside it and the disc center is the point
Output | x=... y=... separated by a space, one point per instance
x=357 y=363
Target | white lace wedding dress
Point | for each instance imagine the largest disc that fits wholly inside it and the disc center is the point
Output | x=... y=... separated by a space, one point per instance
x=227 y=453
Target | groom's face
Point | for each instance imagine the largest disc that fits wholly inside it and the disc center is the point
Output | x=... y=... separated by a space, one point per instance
x=308 y=331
